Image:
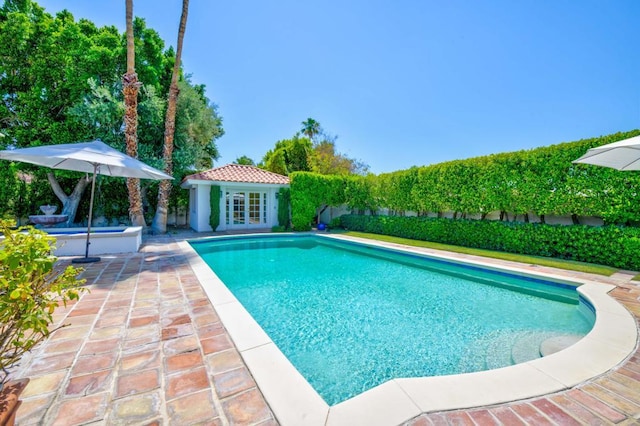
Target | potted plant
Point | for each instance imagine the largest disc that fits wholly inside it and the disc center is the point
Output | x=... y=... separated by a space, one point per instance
x=31 y=288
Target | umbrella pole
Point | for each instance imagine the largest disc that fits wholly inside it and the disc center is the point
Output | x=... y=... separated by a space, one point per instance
x=86 y=258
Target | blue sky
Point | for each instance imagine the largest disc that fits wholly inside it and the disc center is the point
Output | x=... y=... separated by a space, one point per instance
x=404 y=83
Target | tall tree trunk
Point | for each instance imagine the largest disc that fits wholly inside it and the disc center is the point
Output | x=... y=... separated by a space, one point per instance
x=69 y=202
x=130 y=86
x=159 y=224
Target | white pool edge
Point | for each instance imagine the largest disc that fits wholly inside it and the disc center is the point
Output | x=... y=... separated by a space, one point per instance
x=294 y=402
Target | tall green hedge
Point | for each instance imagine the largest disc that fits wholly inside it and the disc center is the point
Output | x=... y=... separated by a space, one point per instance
x=214 y=202
x=542 y=181
x=284 y=203
x=606 y=245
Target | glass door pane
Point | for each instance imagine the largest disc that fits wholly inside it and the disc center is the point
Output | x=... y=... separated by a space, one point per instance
x=254 y=208
x=238 y=208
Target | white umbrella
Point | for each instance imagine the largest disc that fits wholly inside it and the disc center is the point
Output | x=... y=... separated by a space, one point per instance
x=91 y=157
x=621 y=155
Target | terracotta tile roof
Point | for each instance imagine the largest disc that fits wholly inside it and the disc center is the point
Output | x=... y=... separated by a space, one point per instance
x=239 y=173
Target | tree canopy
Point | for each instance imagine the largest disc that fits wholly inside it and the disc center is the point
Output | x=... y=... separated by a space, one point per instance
x=313 y=152
x=61 y=83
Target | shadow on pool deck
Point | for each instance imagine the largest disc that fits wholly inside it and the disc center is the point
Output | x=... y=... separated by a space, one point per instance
x=147 y=347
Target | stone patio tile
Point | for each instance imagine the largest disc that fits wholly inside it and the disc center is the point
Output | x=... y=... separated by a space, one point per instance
x=93 y=347
x=143 y=320
x=460 y=418
x=32 y=410
x=530 y=415
x=177 y=331
x=180 y=345
x=141 y=332
x=246 y=408
x=214 y=329
x=596 y=405
x=141 y=344
x=421 y=420
x=206 y=319
x=186 y=382
x=103 y=332
x=89 y=383
x=578 y=411
x=483 y=418
x=224 y=361
x=625 y=388
x=44 y=384
x=82 y=410
x=61 y=346
x=196 y=408
x=183 y=361
x=65 y=333
x=554 y=412
x=136 y=383
x=140 y=360
x=233 y=382
x=136 y=409
x=216 y=344
x=94 y=363
x=48 y=363
x=507 y=416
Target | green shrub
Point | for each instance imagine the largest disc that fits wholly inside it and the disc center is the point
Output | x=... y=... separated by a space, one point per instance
x=30 y=290
x=335 y=223
x=284 y=203
x=278 y=228
x=615 y=246
x=214 y=202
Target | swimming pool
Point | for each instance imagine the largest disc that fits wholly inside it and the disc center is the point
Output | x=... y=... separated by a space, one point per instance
x=351 y=317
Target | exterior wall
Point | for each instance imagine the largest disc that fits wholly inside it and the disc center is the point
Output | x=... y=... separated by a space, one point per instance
x=200 y=208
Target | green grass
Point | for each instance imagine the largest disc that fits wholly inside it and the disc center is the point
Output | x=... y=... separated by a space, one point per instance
x=589 y=268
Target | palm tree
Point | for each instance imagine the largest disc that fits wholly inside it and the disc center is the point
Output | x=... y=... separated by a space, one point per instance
x=310 y=128
x=159 y=224
x=130 y=86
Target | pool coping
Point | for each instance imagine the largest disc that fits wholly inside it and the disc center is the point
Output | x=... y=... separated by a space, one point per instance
x=294 y=401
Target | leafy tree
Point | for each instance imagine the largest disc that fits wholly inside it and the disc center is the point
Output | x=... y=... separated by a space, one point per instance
x=288 y=156
x=244 y=160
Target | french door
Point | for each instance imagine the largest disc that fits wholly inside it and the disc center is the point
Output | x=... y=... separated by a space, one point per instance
x=245 y=209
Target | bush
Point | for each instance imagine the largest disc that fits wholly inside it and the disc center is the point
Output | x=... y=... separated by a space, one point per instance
x=615 y=246
x=30 y=290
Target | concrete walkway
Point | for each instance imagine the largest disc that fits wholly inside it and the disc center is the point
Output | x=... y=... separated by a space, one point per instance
x=146 y=347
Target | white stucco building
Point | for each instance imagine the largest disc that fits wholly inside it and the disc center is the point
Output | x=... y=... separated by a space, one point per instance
x=247 y=197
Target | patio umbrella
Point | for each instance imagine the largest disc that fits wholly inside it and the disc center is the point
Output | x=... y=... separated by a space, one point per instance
x=91 y=157
x=621 y=155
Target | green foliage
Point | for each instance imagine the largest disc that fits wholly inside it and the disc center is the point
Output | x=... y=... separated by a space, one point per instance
x=74 y=94
x=284 y=206
x=214 y=202
x=314 y=153
x=542 y=181
x=278 y=228
x=311 y=192
x=614 y=246
x=30 y=290
x=244 y=160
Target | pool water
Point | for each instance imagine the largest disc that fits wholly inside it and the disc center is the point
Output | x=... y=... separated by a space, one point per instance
x=350 y=317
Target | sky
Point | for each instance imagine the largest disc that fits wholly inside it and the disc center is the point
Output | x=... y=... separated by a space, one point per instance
x=403 y=83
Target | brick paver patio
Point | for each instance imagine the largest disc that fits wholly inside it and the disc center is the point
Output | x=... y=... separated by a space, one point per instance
x=145 y=347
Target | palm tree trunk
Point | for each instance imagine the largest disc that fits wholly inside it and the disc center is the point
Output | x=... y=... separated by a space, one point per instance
x=130 y=86
x=159 y=224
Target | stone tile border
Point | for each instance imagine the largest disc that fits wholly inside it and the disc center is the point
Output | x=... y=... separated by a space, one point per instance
x=294 y=402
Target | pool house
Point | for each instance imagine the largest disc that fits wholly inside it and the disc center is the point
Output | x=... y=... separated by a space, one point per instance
x=248 y=197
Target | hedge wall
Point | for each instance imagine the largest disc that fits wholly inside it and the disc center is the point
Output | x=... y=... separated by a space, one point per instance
x=607 y=245
x=214 y=202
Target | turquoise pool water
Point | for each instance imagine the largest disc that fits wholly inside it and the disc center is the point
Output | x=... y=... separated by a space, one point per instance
x=350 y=317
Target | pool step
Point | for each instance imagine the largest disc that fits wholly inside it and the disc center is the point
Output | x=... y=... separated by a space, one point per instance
x=503 y=348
